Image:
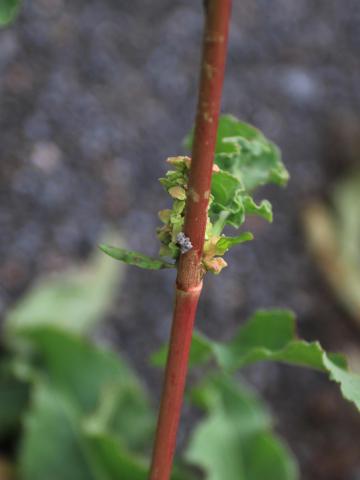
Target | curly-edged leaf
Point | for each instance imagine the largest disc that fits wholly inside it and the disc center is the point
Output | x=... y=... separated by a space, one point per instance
x=224 y=188
x=263 y=209
x=255 y=166
x=134 y=258
x=246 y=153
x=73 y=300
x=235 y=441
x=225 y=243
x=229 y=126
x=8 y=11
x=227 y=201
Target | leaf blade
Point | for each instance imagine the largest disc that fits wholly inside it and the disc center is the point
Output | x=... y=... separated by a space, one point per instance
x=135 y=258
x=228 y=442
x=225 y=243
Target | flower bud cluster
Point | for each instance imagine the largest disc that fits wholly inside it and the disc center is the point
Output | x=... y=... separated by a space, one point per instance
x=173 y=240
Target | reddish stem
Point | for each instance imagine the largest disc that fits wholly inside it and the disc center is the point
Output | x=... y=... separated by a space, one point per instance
x=190 y=271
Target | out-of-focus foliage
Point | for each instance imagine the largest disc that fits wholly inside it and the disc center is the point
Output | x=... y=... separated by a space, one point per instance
x=81 y=407
x=235 y=440
x=74 y=300
x=57 y=444
x=85 y=415
x=14 y=398
x=333 y=236
x=8 y=11
x=269 y=335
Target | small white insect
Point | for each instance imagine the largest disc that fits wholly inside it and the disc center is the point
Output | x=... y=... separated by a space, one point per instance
x=184 y=242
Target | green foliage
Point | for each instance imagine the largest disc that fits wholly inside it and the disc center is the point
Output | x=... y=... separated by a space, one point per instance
x=74 y=299
x=135 y=258
x=245 y=152
x=225 y=243
x=247 y=160
x=13 y=399
x=83 y=408
x=235 y=441
x=57 y=445
x=269 y=335
x=8 y=11
x=86 y=415
x=95 y=379
x=244 y=160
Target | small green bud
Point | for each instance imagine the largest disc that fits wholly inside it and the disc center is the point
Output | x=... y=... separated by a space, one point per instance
x=179 y=161
x=164 y=215
x=177 y=192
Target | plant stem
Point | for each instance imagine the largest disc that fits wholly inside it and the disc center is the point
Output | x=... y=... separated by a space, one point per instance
x=190 y=271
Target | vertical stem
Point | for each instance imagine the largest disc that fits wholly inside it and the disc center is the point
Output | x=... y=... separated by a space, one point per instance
x=190 y=272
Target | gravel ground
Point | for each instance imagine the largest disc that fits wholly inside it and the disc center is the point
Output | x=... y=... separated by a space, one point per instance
x=96 y=94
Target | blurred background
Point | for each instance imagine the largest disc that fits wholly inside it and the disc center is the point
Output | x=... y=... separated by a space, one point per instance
x=95 y=94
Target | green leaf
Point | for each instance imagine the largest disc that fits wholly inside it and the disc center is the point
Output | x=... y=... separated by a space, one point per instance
x=59 y=443
x=135 y=258
x=227 y=201
x=255 y=170
x=234 y=441
x=349 y=382
x=225 y=243
x=224 y=188
x=56 y=445
x=124 y=411
x=246 y=153
x=14 y=399
x=8 y=10
x=52 y=446
x=269 y=335
x=113 y=460
x=74 y=300
x=264 y=209
x=247 y=159
x=96 y=380
x=200 y=352
x=229 y=127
